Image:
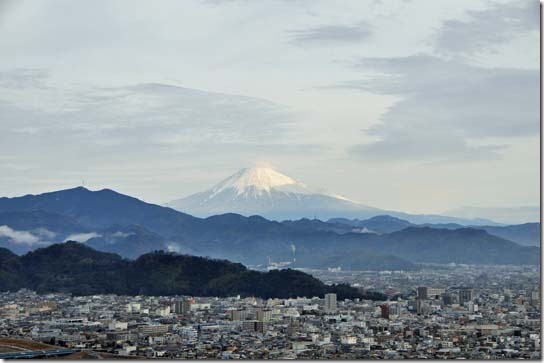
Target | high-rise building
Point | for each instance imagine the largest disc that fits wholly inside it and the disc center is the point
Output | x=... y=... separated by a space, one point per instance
x=182 y=306
x=447 y=299
x=535 y=298
x=330 y=302
x=422 y=293
x=395 y=309
x=434 y=293
x=264 y=314
x=237 y=314
x=465 y=295
x=385 y=311
x=422 y=307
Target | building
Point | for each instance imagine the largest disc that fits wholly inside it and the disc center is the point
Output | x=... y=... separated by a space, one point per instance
x=237 y=314
x=465 y=295
x=422 y=293
x=448 y=299
x=535 y=297
x=264 y=315
x=434 y=293
x=330 y=302
x=182 y=306
x=385 y=311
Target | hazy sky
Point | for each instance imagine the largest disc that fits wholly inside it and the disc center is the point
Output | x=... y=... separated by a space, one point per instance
x=420 y=106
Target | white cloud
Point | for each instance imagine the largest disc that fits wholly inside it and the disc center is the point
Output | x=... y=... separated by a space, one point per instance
x=21 y=237
x=81 y=237
x=45 y=234
x=120 y=234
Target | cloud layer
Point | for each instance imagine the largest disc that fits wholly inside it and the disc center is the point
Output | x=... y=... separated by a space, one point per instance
x=445 y=104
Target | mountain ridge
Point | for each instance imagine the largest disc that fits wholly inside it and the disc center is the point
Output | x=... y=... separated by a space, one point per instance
x=253 y=240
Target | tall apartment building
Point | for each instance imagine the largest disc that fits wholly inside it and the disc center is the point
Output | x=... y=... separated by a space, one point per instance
x=330 y=302
x=182 y=306
x=465 y=295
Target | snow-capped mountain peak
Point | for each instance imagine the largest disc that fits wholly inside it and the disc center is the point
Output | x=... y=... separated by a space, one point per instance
x=257 y=180
x=268 y=193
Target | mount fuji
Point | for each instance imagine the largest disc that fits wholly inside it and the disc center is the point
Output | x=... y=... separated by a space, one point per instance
x=273 y=195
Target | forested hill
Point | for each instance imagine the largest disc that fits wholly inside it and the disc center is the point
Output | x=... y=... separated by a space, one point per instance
x=75 y=268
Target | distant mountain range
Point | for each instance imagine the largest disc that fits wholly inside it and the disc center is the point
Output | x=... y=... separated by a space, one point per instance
x=74 y=268
x=527 y=234
x=512 y=215
x=113 y=222
x=273 y=195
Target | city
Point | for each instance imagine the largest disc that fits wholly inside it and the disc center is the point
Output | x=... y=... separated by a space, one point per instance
x=233 y=179
x=454 y=311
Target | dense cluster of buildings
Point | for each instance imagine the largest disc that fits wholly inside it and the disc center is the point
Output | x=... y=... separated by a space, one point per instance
x=493 y=317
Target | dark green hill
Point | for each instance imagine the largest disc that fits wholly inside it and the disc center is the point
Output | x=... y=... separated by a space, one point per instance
x=11 y=276
x=75 y=268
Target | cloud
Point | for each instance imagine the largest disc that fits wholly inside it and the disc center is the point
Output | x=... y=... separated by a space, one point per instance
x=120 y=234
x=332 y=34
x=81 y=237
x=138 y=116
x=485 y=30
x=21 y=237
x=22 y=78
x=444 y=106
x=147 y=123
x=44 y=234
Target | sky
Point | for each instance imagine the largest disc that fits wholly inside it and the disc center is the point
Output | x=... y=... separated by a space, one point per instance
x=413 y=105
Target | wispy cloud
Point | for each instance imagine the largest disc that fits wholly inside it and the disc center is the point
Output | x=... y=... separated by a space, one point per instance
x=331 y=34
x=485 y=30
x=82 y=237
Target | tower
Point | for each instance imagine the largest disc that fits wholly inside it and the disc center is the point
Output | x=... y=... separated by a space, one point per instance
x=330 y=302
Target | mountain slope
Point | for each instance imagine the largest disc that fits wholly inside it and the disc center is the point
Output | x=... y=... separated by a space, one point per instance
x=525 y=234
x=103 y=208
x=377 y=224
x=142 y=227
x=466 y=245
x=10 y=271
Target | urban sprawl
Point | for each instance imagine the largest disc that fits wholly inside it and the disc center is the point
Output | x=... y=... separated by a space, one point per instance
x=453 y=311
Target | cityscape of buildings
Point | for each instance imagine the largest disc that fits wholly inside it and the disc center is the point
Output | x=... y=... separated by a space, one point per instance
x=454 y=311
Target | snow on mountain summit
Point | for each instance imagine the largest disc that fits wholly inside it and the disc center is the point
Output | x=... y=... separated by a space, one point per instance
x=257 y=180
x=268 y=193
